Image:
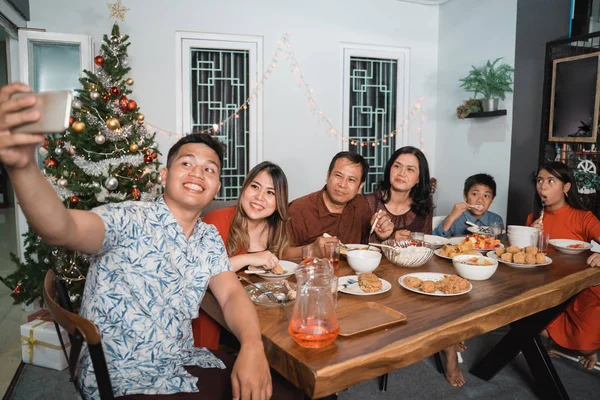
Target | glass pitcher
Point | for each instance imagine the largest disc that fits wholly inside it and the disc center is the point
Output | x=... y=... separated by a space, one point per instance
x=314 y=322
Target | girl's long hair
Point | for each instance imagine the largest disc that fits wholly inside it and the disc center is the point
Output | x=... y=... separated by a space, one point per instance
x=420 y=194
x=278 y=238
x=564 y=174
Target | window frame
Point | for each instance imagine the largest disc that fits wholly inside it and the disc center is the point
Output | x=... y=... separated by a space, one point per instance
x=402 y=56
x=185 y=41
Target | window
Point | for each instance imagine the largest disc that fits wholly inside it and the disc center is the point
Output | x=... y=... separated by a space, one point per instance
x=219 y=73
x=375 y=85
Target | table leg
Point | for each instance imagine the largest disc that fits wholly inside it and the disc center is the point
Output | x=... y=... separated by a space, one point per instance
x=524 y=336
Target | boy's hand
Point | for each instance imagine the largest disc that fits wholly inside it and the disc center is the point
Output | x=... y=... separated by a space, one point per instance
x=458 y=210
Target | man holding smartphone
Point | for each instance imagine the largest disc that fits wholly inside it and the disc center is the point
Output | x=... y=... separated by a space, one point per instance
x=152 y=263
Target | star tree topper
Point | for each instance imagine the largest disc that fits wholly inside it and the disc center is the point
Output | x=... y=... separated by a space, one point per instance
x=117 y=10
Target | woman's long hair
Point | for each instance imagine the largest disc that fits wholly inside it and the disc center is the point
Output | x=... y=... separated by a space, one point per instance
x=564 y=174
x=420 y=194
x=278 y=238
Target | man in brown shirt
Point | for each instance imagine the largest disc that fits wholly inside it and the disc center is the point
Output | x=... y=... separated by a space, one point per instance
x=338 y=209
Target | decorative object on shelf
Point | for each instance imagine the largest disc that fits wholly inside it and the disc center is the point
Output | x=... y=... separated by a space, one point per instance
x=468 y=107
x=586 y=178
x=491 y=81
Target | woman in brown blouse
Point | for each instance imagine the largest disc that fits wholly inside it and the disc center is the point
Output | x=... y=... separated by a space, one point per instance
x=405 y=192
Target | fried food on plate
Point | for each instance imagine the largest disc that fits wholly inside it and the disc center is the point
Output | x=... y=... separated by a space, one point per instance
x=428 y=286
x=369 y=282
x=412 y=282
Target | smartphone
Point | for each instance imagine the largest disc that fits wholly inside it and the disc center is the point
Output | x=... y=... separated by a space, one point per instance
x=54 y=108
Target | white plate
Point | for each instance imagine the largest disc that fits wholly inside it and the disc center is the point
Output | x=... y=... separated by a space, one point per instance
x=343 y=251
x=563 y=245
x=289 y=268
x=435 y=241
x=356 y=290
x=459 y=239
x=492 y=254
x=430 y=276
x=475 y=229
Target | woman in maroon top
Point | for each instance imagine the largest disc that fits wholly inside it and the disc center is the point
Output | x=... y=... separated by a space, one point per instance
x=405 y=192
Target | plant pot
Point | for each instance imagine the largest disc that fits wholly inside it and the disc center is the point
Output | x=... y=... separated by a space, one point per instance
x=489 y=104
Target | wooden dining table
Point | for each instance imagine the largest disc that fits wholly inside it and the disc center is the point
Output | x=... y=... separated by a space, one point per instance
x=525 y=298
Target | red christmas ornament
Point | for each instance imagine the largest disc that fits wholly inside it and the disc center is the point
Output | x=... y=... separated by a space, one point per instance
x=74 y=199
x=45 y=143
x=115 y=91
x=105 y=97
x=148 y=151
x=129 y=171
x=148 y=159
x=99 y=61
x=59 y=142
x=154 y=155
x=132 y=105
x=123 y=101
x=18 y=289
x=50 y=162
x=135 y=193
x=71 y=120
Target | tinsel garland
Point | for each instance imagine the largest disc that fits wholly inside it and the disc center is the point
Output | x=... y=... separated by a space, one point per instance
x=101 y=168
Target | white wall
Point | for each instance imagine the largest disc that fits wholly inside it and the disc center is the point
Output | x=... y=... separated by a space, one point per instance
x=292 y=136
x=470 y=33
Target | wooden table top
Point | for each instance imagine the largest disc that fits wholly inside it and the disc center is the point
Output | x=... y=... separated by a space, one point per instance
x=432 y=324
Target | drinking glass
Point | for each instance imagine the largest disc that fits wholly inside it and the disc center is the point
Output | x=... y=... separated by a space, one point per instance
x=332 y=252
x=497 y=228
x=308 y=252
x=418 y=237
x=543 y=239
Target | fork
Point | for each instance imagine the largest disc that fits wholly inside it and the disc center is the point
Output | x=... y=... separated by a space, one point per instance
x=266 y=292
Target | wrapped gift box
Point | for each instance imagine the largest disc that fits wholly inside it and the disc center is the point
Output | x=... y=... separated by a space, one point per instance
x=40 y=345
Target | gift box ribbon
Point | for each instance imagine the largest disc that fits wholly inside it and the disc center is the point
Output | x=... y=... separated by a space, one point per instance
x=31 y=342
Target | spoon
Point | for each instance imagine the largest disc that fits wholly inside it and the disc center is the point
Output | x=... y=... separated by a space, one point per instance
x=478 y=207
x=382 y=245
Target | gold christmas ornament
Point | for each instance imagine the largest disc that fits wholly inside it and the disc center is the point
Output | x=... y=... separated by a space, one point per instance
x=133 y=147
x=113 y=124
x=129 y=81
x=117 y=10
x=78 y=126
x=140 y=117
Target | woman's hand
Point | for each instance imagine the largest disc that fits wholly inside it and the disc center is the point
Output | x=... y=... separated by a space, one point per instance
x=384 y=226
x=402 y=234
x=264 y=259
x=594 y=260
x=538 y=223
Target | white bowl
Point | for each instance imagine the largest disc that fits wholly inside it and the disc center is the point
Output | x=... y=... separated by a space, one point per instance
x=352 y=247
x=363 y=260
x=523 y=239
x=405 y=255
x=435 y=241
x=563 y=245
x=474 y=272
x=520 y=229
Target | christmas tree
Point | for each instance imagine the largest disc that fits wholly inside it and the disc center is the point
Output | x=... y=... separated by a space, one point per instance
x=105 y=156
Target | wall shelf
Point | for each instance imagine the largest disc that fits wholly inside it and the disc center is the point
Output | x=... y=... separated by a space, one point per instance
x=485 y=114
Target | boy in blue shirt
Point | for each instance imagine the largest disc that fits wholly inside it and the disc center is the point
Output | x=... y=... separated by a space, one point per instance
x=479 y=193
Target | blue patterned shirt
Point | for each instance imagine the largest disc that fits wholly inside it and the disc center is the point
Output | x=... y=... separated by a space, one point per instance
x=143 y=289
x=460 y=227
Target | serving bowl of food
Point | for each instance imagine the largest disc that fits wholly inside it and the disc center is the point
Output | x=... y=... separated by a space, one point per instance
x=404 y=253
x=363 y=260
x=475 y=267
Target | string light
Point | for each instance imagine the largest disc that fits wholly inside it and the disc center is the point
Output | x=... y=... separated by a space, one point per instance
x=284 y=45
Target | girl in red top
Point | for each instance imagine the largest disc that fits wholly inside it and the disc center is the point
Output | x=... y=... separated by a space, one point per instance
x=254 y=232
x=565 y=217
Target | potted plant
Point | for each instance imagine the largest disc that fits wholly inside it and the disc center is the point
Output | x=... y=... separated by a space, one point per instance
x=587 y=182
x=492 y=81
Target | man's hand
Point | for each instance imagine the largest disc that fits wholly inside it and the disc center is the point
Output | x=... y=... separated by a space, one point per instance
x=251 y=378
x=17 y=150
x=319 y=244
x=384 y=226
x=594 y=260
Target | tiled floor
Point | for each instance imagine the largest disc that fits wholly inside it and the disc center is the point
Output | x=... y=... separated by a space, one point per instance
x=11 y=316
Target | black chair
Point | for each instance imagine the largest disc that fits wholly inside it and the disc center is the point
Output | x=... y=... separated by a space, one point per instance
x=80 y=330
